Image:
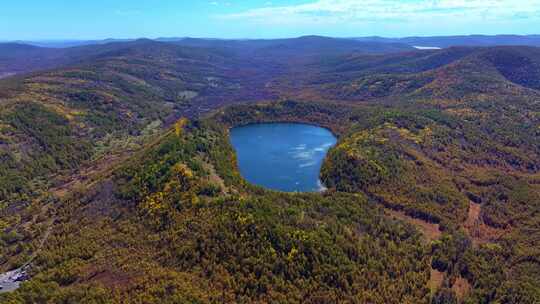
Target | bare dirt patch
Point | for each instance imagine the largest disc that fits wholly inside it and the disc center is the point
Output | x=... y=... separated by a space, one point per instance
x=436 y=279
x=461 y=288
x=430 y=231
x=112 y=279
x=478 y=231
x=214 y=176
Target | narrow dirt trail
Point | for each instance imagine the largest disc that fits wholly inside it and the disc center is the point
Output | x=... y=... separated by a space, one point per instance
x=478 y=231
x=431 y=232
x=87 y=173
x=85 y=176
x=41 y=244
x=473 y=217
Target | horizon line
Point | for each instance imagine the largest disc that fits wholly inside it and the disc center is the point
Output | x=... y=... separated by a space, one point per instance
x=254 y=38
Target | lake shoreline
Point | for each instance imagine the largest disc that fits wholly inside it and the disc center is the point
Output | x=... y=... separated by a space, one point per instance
x=285 y=157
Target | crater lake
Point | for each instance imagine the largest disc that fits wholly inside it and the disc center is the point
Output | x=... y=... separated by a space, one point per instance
x=282 y=156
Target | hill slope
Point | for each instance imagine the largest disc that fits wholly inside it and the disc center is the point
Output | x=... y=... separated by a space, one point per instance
x=252 y=245
x=55 y=120
x=449 y=74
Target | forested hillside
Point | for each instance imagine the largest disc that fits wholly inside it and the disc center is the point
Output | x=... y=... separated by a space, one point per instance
x=166 y=227
x=57 y=120
x=118 y=182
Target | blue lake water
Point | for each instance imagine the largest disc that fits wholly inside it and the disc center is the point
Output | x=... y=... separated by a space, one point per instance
x=282 y=156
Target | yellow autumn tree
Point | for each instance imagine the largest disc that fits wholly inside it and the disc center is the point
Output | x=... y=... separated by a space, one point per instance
x=180 y=189
x=179 y=126
x=182 y=185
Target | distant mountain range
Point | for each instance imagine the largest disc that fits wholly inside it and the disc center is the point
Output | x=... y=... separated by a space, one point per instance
x=472 y=40
x=430 y=41
x=18 y=57
x=27 y=56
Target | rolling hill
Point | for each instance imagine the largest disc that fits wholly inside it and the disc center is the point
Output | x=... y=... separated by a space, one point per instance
x=23 y=57
x=120 y=90
x=470 y=40
x=438 y=74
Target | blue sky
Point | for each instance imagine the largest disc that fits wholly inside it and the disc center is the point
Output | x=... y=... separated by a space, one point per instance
x=97 y=19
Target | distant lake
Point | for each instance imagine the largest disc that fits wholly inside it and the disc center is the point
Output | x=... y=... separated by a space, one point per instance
x=282 y=156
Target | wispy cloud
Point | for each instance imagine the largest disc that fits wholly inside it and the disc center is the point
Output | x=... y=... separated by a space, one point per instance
x=127 y=12
x=217 y=3
x=358 y=11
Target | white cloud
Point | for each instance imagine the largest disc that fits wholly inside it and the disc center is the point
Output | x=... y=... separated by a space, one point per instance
x=361 y=11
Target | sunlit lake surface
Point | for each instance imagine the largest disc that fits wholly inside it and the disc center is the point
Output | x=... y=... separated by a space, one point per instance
x=282 y=156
